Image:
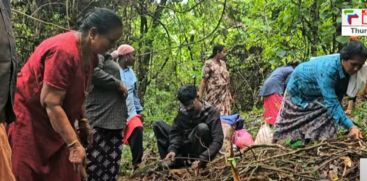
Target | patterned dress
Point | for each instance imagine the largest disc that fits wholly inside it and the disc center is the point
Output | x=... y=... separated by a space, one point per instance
x=217 y=88
x=107 y=113
x=311 y=109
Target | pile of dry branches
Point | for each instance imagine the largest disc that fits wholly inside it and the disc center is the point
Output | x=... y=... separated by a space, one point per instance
x=325 y=160
x=330 y=160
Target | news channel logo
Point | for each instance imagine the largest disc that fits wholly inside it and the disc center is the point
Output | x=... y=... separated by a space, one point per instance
x=354 y=22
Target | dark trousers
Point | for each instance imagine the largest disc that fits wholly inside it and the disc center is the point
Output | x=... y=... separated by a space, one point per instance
x=136 y=145
x=194 y=144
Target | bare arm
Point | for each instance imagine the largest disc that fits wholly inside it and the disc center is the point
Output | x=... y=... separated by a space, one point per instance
x=350 y=107
x=51 y=100
x=202 y=87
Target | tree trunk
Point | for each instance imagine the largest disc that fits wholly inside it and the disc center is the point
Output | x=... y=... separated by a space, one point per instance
x=146 y=46
x=335 y=25
x=314 y=27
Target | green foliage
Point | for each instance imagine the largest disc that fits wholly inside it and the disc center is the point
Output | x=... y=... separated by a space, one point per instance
x=233 y=161
x=178 y=36
x=174 y=38
x=293 y=144
x=359 y=117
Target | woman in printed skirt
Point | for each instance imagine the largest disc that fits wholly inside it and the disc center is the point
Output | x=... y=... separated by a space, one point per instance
x=312 y=106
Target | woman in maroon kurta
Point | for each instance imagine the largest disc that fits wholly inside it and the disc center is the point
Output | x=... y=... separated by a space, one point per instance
x=50 y=92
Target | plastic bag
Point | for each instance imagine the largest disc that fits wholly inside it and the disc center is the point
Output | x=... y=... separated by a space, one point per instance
x=242 y=139
x=264 y=135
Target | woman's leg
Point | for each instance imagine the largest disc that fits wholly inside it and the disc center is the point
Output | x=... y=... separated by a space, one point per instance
x=136 y=146
x=104 y=154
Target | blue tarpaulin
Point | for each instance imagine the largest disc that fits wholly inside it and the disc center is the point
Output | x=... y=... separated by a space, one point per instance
x=233 y=120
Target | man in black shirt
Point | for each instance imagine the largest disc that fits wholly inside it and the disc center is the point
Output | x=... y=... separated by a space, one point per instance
x=196 y=134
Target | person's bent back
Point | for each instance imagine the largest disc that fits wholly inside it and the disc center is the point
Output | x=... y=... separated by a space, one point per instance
x=196 y=135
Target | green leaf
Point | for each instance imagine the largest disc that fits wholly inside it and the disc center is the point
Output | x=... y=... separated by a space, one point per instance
x=342 y=39
x=296 y=144
x=281 y=53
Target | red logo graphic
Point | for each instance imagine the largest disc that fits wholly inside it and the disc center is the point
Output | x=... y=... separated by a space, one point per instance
x=352 y=16
x=364 y=16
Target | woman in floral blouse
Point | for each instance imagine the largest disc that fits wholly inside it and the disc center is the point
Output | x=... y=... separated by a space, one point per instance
x=216 y=81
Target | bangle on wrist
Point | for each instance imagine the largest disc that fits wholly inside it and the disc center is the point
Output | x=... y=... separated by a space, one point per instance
x=85 y=120
x=72 y=143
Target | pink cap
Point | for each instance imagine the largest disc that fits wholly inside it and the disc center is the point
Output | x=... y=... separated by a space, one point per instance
x=122 y=50
x=114 y=54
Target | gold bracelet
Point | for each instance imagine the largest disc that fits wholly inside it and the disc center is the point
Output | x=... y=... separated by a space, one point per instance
x=72 y=143
x=85 y=120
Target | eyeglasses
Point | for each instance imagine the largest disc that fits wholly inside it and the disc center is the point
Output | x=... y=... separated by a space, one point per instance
x=189 y=105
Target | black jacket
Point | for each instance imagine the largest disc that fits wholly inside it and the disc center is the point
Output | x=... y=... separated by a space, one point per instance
x=185 y=123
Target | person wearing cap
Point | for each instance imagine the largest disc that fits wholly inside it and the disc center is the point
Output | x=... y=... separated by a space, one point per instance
x=133 y=133
x=107 y=113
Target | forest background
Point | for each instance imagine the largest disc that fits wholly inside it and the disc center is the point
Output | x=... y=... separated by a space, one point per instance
x=173 y=38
